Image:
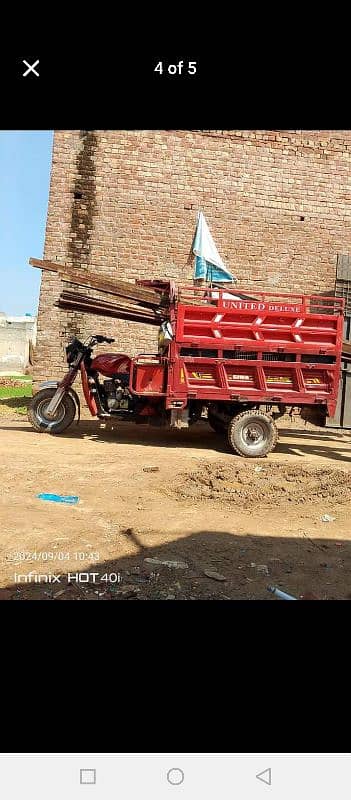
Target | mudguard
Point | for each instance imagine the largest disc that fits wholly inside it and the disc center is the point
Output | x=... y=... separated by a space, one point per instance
x=54 y=385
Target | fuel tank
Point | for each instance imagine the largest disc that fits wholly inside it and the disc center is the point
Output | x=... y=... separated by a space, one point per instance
x=110 y=363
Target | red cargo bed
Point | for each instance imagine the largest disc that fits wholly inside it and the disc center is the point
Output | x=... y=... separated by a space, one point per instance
x=274 y=348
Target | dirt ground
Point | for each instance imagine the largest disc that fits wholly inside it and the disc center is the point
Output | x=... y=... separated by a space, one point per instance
x=178 y=497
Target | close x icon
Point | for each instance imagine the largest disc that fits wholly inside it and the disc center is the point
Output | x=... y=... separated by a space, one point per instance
x=30 y=67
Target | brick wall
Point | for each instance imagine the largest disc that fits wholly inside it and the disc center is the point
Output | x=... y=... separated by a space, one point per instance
x=124 y=203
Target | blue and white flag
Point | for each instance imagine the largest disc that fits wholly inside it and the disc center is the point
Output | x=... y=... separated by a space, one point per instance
x=208 y=263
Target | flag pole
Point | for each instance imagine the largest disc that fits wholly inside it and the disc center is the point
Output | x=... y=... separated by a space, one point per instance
x=197 y=281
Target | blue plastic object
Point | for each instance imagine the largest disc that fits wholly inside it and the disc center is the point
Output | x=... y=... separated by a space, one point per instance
x=280 y=594
x=59 y=498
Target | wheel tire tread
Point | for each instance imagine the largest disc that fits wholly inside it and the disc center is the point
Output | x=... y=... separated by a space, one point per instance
x=232 y=429
x=64 y=424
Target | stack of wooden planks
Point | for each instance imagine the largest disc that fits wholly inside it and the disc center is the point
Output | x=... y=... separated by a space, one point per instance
x=125 y=300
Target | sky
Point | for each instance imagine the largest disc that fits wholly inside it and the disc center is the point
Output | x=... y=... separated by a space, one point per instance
x=25 y=162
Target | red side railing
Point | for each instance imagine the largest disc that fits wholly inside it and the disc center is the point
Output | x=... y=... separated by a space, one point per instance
x=267 y=322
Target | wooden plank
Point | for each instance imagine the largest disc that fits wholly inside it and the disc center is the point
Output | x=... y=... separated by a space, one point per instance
x=121 y=288
x=97 y=312
x=70 y=294
x=70 y=305
x=120 y=304
x=49 y=266
x=110 y=300
x=90 y=282
x=86 y=278
x=88 y=304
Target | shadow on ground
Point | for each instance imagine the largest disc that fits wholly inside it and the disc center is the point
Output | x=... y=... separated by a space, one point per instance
x=248 y=563
x=202 y=437
x=14 y=403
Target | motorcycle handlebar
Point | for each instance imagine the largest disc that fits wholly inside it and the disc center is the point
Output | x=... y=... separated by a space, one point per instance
x=100 y=339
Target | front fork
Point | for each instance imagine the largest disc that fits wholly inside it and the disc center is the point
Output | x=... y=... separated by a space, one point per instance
x=61 y=390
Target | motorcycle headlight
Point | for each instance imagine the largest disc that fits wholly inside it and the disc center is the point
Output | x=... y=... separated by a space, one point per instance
x=71 y=352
